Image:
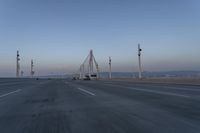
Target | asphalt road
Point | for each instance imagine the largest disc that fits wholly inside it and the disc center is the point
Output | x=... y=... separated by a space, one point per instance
x=66 y=106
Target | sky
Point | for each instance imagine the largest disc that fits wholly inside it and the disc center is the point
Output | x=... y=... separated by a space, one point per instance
x=58 y=34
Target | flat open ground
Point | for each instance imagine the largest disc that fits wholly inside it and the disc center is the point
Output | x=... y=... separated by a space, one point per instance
x=66 y=106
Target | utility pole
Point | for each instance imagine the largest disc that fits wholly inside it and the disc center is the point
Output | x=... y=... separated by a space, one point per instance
x=32 y=72
x=98 y=73
x=110 y=71
x=22 y=74
x=17 y=65
x=139 y=61
x=81 y=72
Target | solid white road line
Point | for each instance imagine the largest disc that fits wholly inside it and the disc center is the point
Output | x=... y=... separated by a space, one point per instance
x=161 y=92
x=170 y=87
x=178 y=88
x=152 y=91
x=10 y=93
x=2 y=84
x=88 y=92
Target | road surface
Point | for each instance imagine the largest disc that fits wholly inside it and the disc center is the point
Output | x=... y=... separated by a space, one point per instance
x=66 y=106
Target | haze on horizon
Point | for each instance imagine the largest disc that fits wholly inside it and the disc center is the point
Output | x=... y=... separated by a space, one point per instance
x=58 y=34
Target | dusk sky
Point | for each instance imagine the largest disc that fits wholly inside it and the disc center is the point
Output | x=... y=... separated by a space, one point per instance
x=58 y=34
